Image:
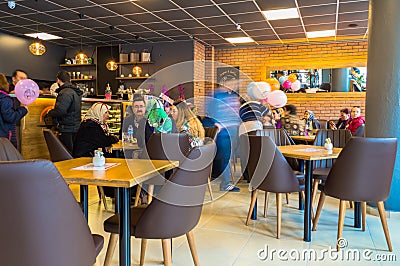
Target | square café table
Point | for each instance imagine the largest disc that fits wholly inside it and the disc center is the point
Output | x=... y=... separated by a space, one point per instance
x=126 y=174
x=308 y=153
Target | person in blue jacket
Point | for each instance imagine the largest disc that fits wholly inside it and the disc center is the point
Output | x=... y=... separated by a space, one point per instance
x=9 y=114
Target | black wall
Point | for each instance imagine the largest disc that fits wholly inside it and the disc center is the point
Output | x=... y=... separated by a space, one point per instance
x=14 y=54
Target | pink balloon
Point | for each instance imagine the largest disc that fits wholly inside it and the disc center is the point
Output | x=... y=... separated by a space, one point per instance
x=26 y=91
x=277 y=98
x=296 y=85
x=287 y=84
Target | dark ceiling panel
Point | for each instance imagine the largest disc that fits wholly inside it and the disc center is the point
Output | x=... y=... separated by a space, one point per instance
x=155 y=5
x=42 y=18
x=107 y=30
x=261 y=32
x=124 y=8
x=72 y=4
x=172 y=32
x=315 y=2
x=351 y=31
x=320 y=27
x=186 y=3
x=353 y=6
x=319 y=19
x=143 y=18
x=285 y=23
x=19 y=10
x=255 y=25
x=318 y=10
x=18 y=21
x=265 y=38
x=172 y=15
x=198 y=31
x=292 y=36
x=94 y=11
x=65 y=14
x=19 y=30
x=133 y=28
x=248 y=17
x=159 y=26
x=240 y=7
x=200 y=12
x=40 y=5
x=353 y=16
x=90 y=23
x=345 y=25
x=267 y=5
x=225 y=28
x=184 y=24
x=115 y=20
x=63 y=25
x=298 y=29
x=216 y=21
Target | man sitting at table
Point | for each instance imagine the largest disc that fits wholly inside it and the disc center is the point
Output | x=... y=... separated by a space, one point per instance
x=291 y=122
x=135 y=117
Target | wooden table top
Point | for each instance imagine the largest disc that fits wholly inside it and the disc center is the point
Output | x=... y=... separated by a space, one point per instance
x=128 y=173
x=309 y=152
x=127 y=146
x=304 y=138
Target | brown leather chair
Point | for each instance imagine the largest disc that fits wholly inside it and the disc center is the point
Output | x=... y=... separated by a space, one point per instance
x=163 y=146
x=8 y=152
x=176 y=209
x=58 y=152
x=44 y=225
x=269 y=171
x=362 y=173
x=339 y=138
x=280 y=138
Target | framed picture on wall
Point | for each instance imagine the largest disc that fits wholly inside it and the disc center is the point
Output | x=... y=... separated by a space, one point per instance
x=225 y=74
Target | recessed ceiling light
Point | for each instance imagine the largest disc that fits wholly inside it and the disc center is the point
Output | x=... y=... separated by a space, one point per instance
x=239 y=40
x=321 y=33
x=43 y=36
x=285 y=13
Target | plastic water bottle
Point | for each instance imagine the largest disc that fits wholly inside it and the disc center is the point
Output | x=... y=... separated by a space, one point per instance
x=130 y=133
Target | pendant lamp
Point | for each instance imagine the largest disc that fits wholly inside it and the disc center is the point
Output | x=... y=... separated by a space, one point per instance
x=111 y=64
x=37 y=47
x=81 y=57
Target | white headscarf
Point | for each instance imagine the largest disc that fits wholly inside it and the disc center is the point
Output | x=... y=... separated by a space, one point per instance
x=96 y=113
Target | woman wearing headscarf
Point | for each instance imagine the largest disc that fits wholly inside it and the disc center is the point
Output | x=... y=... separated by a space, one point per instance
x=311 y=122
x=93 y=132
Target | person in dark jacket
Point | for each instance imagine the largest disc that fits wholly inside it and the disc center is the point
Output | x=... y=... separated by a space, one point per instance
x=67 y=110
x=93 y=132
x=9 y=114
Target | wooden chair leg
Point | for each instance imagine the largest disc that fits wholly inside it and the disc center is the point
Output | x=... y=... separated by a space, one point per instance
x=209 y=188
x=97 y=263
x=252 y=203
x=314 y=191
x=382 y=215
x=278 y=214
x=150 y=194
x=265 y=203
x=192 y=246
x=143 y=250
x=287 y=198
x=166 y=247
x=342 y=213
x=137 y=197
x=103 y=197
x=364 y=214
x=112 y=243
x=319 y=209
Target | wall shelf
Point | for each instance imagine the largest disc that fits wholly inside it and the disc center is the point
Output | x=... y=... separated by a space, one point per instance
x=135 y=63
x=76 y=65
x=83 y=79
x=131 y=78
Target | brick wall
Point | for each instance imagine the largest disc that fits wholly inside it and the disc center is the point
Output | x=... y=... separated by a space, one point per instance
x=199 y=89
x=258 y=61
x=327 y=105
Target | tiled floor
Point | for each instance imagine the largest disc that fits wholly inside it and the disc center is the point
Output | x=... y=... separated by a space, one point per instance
x=222 y=238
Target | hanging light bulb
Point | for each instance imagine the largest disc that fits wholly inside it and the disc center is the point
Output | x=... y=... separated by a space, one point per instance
x=81 y=58
x=37 y=47
x=111 y=65
x=137 y=70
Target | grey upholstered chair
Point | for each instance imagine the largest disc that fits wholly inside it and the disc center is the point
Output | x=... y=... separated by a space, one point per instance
x=58 y=152
x=163 y=146
x=269 y=171
x=211 y=134
x=362 y=173
x=8 y=152
x=44 y=225
x=339 y=138
x=176 y=209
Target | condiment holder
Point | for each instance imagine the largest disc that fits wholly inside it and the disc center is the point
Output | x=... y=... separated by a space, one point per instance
x=99 y=159
x=328 y=145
